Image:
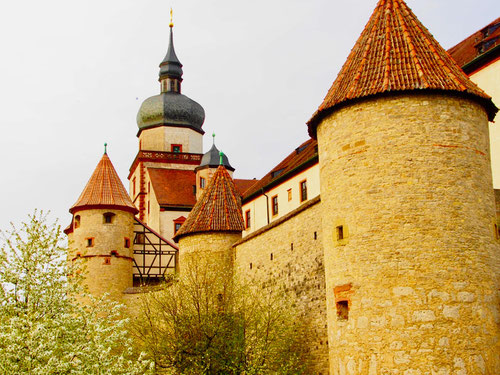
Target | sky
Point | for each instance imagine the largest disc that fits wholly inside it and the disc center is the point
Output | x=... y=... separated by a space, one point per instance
x=73 y=75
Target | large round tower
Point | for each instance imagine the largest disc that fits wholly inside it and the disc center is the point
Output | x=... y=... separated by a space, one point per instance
x=410 y=237
x=101 y=233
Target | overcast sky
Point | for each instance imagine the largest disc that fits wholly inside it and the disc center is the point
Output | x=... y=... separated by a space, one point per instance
x=74 y=73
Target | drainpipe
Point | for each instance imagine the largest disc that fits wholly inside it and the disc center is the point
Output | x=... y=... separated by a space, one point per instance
x=267 y=204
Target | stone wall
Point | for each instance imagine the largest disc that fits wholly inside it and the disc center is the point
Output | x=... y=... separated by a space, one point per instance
x=289 y=252
x=411 y=286
x=107 y=262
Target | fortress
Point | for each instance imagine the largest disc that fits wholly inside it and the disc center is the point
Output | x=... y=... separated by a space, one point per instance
x=384 y=223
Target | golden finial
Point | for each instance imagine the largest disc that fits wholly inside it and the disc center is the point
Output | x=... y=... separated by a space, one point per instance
x=171 y=18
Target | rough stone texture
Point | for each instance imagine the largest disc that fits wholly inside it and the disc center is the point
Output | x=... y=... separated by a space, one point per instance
x=409 y=179
x=215 y=245
x=101 y=277
x=300 y=269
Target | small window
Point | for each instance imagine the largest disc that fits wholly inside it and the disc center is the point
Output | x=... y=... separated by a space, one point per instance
x=342 y=310
x=127 y=242
x=202 y=183
x=272 y=257
x=289 y=191
x=275 y=204
x=149 y=187
x=315 y=235
x=140 y=238
x=107 y=260
x=291 y=246
x=77 y=221
x=108 y=217
x=90 y=241
x=176 y=148
x=177 y=226
x=303 y=191
x=247 y=219
x=251 y=265
x=340 y=232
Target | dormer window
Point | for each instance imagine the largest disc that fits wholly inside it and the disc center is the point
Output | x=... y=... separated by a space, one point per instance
x=108 y=217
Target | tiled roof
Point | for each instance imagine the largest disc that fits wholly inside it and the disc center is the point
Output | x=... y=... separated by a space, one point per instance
x=477 y=44
x=306 y=152
x=395 y=53
x=243 y=185
x=104 y=190
x=217 y=210
x=173 y=187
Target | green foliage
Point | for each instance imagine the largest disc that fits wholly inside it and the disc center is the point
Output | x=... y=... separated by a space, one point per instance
x=43 y=330
x=205 y=322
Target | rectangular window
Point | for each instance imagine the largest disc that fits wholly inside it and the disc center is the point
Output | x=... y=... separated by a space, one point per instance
x=303 y=190
x=340 y=232
x=289 y=191
x=247 y=219
x=176 y=148
x=90 y=241
x=202 y=183
x=177 y=226
x=127 y=242
x=275 y=204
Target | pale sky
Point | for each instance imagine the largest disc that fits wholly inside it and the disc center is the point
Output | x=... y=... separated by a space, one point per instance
x=74 y=73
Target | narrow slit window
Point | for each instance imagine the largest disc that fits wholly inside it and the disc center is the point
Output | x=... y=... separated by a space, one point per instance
x=340 y=232
x=272 y=256
x=127 y=242
x=342 y=310
x=90 y=242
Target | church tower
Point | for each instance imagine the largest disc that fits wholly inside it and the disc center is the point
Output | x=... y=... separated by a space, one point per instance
x=409 y=232
x=214 y=224
x=101 y=233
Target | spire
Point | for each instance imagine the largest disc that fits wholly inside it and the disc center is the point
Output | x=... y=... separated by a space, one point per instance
x=104 y=190
x=395 y=53
x=171 y=67
x=217 y=210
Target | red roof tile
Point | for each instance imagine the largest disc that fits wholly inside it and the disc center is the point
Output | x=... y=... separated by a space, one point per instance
x=288 y=167
x=243 y=185
x=477 y=44
x=218 y=209
x=173 y=187
x=104 y=190
x=395 y=53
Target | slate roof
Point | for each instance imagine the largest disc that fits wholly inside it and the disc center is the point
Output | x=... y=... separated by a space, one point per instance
x=302 y=157
x=478 y=44
x=104 y=190
x=395 y=53
x=217 y=210
x=173 y=187
x=212 y=159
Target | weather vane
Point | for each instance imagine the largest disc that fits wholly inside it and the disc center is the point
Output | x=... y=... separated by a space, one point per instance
x=171 y=18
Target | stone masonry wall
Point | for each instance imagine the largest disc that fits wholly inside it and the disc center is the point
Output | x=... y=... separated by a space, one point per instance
x=107 y=264
x=412 y=286
x=289 y=251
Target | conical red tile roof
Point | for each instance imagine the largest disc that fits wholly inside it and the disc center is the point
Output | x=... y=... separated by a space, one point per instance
x=217 y=210
x=394 y=53
x=104 y=190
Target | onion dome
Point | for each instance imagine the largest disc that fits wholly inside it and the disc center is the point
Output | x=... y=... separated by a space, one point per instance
x=104 y=190
x=170 y=107
x=211 y=159
x=396 y=53
x=217 y=210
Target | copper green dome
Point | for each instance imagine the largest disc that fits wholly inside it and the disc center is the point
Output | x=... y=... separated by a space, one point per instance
x=170 y=108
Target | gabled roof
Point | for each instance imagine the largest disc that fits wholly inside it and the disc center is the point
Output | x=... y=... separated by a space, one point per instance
x=173 y=187
x=302 y=157
x=217 y=210
x=395 y=53
x=104 y=190
x=242 y=185
x=477 y=45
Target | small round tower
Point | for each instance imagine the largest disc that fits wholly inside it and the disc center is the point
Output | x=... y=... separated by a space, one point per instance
x=101 y=233
x=214 y=224
x=408 y=214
